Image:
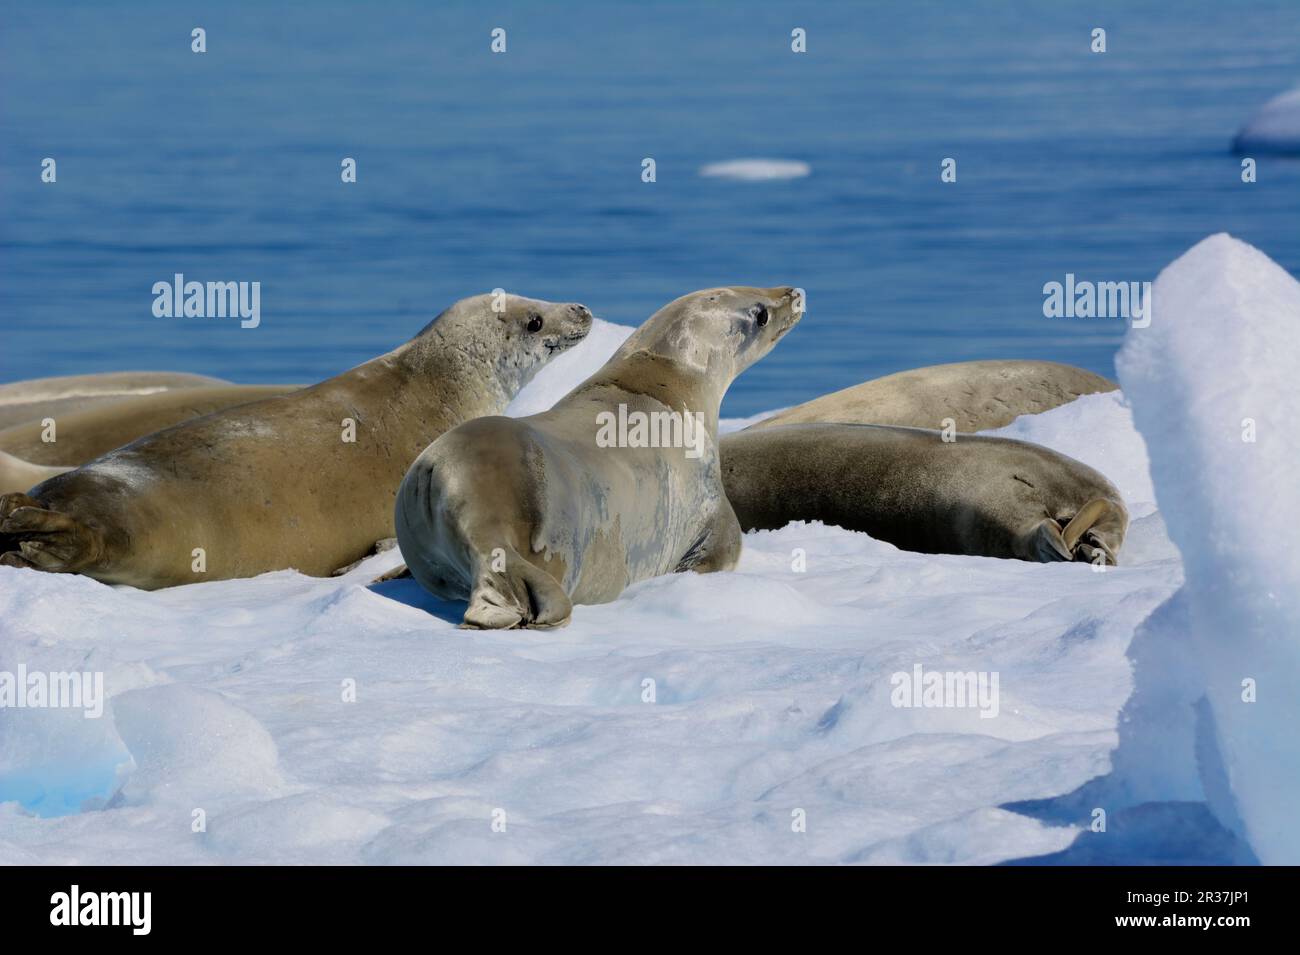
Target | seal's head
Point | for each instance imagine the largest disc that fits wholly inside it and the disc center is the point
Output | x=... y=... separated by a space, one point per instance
x=513 y=335
x=719 y=332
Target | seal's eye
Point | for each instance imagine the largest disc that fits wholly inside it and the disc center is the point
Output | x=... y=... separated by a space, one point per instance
x=760 y=315
x=534 y=322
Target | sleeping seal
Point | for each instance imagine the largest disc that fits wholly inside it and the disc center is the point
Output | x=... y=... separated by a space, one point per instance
x=983 y=496
x=86 y=433
x=304 y=480
x=619 y=481
x=38 y=398
x=976 y=395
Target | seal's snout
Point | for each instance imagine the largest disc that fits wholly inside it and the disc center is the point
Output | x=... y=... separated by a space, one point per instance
x=574 y=321
x=790 y=307
x=581 y=317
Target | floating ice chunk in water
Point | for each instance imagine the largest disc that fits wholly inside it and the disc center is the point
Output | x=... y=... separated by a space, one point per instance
x=1275 y=126
x=755 y=170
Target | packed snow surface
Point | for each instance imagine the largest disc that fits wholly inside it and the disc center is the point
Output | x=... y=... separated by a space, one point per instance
x=746 y=717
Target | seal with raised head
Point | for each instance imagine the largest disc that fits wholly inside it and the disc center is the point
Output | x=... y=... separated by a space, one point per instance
x=304 y=480
x=975 y=395
x=619 y=481
x=982 y=496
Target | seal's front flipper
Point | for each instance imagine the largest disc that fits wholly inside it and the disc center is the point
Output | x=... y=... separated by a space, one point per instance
x=32 y=536
x=521 y=595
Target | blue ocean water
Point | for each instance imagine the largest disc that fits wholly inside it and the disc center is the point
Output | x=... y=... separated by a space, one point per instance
x=523 y=170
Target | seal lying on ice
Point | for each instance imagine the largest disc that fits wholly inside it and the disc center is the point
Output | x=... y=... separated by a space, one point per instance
x=523 y=517
x=304 y=480
x=983 y=496
x=975 y=395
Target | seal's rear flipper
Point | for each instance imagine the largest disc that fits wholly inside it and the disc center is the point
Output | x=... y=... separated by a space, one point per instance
x=1088 y=531
x=32 y=536
x=1046 y=543
x=1093 y=535
x=519 y=596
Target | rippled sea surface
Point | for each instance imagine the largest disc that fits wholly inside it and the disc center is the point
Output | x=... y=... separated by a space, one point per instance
x=523 y=170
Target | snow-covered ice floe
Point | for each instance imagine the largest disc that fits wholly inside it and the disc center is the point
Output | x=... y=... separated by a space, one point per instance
x=756 y=170
x=1275 y=127
x=747 y=717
